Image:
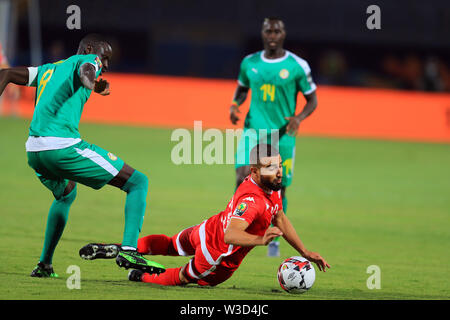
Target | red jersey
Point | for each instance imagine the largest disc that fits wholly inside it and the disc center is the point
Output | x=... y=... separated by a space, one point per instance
x=250 y=203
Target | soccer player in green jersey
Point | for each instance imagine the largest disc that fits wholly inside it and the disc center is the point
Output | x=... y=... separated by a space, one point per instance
x=61 y=159
x=275 y=76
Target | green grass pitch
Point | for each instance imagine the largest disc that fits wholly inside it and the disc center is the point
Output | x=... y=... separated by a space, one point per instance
x=357 y=202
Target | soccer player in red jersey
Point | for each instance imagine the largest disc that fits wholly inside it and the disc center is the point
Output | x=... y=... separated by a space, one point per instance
x=219 y=244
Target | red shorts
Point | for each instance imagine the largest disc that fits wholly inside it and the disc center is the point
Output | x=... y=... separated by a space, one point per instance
x=201 y=269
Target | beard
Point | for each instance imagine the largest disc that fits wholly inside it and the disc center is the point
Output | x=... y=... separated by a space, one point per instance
x=272 y=185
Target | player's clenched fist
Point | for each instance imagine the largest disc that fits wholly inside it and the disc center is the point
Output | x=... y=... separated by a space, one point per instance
x=102 y=87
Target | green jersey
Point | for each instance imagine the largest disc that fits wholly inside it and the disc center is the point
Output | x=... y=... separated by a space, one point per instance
x=60 y=96
x=274 y=84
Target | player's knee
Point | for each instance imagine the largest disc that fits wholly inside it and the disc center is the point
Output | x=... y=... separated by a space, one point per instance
x=142 y=180
x=184 y=277
x=69 y=198
x=137 y=181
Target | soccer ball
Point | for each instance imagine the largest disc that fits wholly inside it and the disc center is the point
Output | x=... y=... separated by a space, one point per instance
x=296 y=275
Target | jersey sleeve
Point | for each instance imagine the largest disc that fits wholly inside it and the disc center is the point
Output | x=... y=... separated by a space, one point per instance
x=92 y=59
x=248 y=209
x=305 y=81
x=32 y=76
x=35 y=74
x=242 y=78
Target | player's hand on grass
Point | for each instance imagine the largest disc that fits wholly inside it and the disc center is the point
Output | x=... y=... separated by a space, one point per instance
x=317 y=259
x=102 y=87
x=270 y=234
x=292 y=126
x=234 y=110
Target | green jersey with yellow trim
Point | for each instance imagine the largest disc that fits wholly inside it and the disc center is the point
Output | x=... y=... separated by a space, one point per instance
x=274 y=85
x=60 y=97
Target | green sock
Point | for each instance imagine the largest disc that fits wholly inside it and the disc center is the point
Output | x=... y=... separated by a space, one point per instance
x=56 y=221
x=136 y=188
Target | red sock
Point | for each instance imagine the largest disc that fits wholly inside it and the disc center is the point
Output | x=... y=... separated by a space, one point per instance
x=169 y=278
x=156 y=244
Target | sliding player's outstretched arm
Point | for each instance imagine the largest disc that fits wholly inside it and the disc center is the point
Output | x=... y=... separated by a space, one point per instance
x=16 y=75
x=235 y=234
x=291 y=236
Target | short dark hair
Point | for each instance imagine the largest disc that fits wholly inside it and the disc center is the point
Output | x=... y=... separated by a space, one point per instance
x=274 y=18
x=93 y=40
x=262 y=150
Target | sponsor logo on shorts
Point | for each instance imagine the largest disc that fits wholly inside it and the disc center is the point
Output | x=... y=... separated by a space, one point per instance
x=112 y=156
x=240 y=209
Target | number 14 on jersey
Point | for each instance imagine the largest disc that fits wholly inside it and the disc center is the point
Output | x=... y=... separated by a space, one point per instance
x=268 y=91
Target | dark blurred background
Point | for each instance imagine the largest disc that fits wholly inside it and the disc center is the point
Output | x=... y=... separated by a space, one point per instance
x=209 y=38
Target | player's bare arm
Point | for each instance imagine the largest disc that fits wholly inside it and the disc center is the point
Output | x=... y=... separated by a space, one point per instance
x=87 y=71
x=291 y=236
x=308 y=109
x=17 y=75
x=235 y=234
x=239 y=97
x=87 y=77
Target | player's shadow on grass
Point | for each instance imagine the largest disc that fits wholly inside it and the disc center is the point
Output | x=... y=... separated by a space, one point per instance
x=361 y=294
x=121 y=283
x=80 y=240
x=187 y=288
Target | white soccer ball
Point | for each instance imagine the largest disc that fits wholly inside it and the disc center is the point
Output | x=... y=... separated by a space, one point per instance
x=296 y=275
